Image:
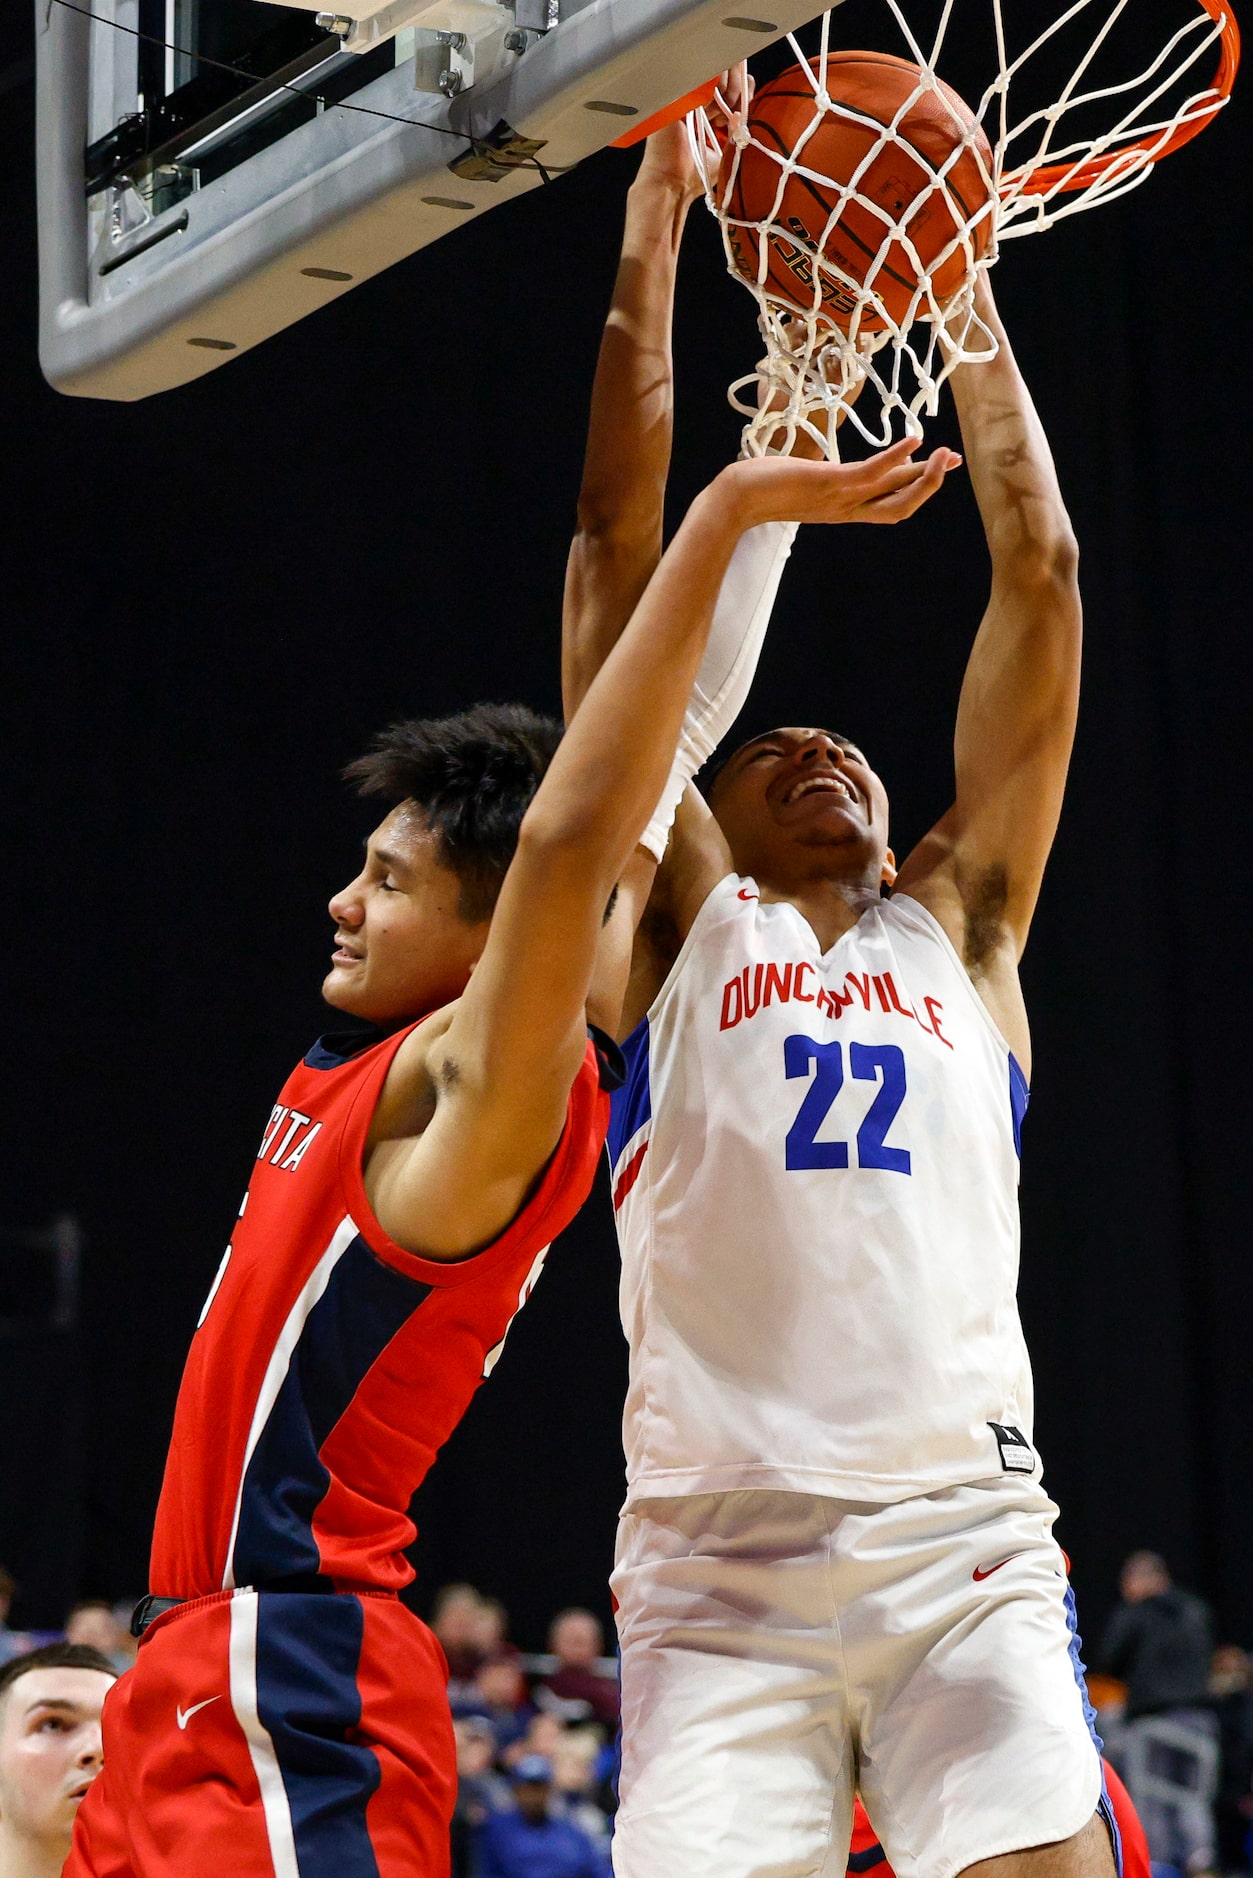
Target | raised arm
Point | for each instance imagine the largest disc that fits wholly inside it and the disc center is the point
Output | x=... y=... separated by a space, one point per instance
x=502 y=1069
x=618 y=540
x=981 y=867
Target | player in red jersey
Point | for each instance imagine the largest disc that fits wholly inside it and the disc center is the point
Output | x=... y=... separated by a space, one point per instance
x=287 y=1715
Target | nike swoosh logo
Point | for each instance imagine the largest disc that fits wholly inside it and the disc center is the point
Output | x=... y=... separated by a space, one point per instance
x=979 y=1574
x=744 y=894
x=183 y=1715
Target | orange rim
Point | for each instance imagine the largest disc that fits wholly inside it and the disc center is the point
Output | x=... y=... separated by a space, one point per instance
x=691 y=101
x=1068 y=176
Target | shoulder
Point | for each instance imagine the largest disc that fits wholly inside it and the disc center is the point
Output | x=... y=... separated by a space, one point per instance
x=697 y=859
x=732 y=905
x=731 y=897
x=908 y=915
x=985 y=963
x=666 y=940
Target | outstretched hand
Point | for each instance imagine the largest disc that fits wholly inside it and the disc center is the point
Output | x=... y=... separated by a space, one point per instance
x=668 y=160
x=885 y=488
x=668 y=157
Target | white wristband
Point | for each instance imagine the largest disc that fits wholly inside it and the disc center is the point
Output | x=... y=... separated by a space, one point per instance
x=741 y=616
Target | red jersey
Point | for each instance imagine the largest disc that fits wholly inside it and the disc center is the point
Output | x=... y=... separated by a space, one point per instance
x=330 y=1365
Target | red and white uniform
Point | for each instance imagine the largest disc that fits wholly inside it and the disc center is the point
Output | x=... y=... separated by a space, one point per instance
x=289 y=1717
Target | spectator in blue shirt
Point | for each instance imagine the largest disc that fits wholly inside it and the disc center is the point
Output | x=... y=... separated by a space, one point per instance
x=531 y=1843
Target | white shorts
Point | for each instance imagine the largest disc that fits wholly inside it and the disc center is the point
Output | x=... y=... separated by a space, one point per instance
x=781 y=1650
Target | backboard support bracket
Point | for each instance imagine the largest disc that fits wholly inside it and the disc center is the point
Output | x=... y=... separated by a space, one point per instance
x=193 y=274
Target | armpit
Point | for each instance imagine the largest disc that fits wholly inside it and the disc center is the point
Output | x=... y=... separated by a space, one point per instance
x=658 y=935
x=984 y=897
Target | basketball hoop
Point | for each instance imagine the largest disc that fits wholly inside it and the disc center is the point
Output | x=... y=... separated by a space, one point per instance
x=864 y=283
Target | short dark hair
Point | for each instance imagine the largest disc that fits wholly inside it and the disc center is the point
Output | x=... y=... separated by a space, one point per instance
x=707 y=780
x=55 y=1656
x=473 y=777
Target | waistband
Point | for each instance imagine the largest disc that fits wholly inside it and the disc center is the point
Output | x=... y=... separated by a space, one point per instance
x=150 y=1609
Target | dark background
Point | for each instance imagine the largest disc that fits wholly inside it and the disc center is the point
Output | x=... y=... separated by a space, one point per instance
x=213 y=598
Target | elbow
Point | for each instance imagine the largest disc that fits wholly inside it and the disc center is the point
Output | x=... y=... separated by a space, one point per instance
x=555 y=837
x=575 y=846
x=1040 y=561
x=1063 y=557
x=617 y=521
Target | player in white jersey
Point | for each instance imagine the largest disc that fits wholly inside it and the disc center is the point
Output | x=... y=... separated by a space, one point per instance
x=836 y=1567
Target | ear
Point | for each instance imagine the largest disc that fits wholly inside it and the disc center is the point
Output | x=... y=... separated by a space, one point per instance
x=888 y=876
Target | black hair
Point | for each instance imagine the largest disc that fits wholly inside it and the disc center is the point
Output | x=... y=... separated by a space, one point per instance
x=473 y=777
x=707 y=780
x=55 y=1656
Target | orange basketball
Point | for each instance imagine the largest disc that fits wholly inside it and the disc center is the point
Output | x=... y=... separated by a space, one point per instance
x=876 y=86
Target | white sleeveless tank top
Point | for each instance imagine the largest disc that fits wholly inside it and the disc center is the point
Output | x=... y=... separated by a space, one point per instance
x=815 y=1174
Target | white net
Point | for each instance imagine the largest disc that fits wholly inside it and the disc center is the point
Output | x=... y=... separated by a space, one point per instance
x=865 y=281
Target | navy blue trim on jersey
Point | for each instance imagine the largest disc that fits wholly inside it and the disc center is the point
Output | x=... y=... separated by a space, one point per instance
x=1104 y=1805
x=867 y=1860
x=308 y=1650
x=1019 y=1096
x=610 y=1062
x=363 y=1307
x=341 y=1046
x=631 y=1105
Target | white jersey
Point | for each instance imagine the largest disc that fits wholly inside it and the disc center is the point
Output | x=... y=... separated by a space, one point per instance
x=815 y=1172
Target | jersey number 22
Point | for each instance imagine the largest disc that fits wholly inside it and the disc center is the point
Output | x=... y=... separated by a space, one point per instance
x=883 y=1063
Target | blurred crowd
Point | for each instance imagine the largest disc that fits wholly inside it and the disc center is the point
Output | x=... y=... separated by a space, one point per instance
x=537 y=1734
x=536 y=1742
x=93 y=1622
x=1176 y=1715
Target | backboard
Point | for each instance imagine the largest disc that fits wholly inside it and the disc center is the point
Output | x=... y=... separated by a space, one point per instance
x=211 y=171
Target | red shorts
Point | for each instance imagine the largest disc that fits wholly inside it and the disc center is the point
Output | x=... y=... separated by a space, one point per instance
x=1133 y=1847
x=275 y=1734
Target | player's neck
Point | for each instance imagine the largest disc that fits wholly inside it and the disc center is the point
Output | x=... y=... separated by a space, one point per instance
x=832 y=907
x=30 y=1858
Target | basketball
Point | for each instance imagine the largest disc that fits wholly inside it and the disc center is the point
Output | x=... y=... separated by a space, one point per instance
x=876 y=86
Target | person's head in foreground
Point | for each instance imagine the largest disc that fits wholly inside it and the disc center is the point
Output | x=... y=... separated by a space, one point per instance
x=411 y=926
x=50 y=1752
x=800 y=804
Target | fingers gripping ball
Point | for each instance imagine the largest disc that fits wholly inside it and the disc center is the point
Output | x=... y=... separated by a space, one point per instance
x=917 y=168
